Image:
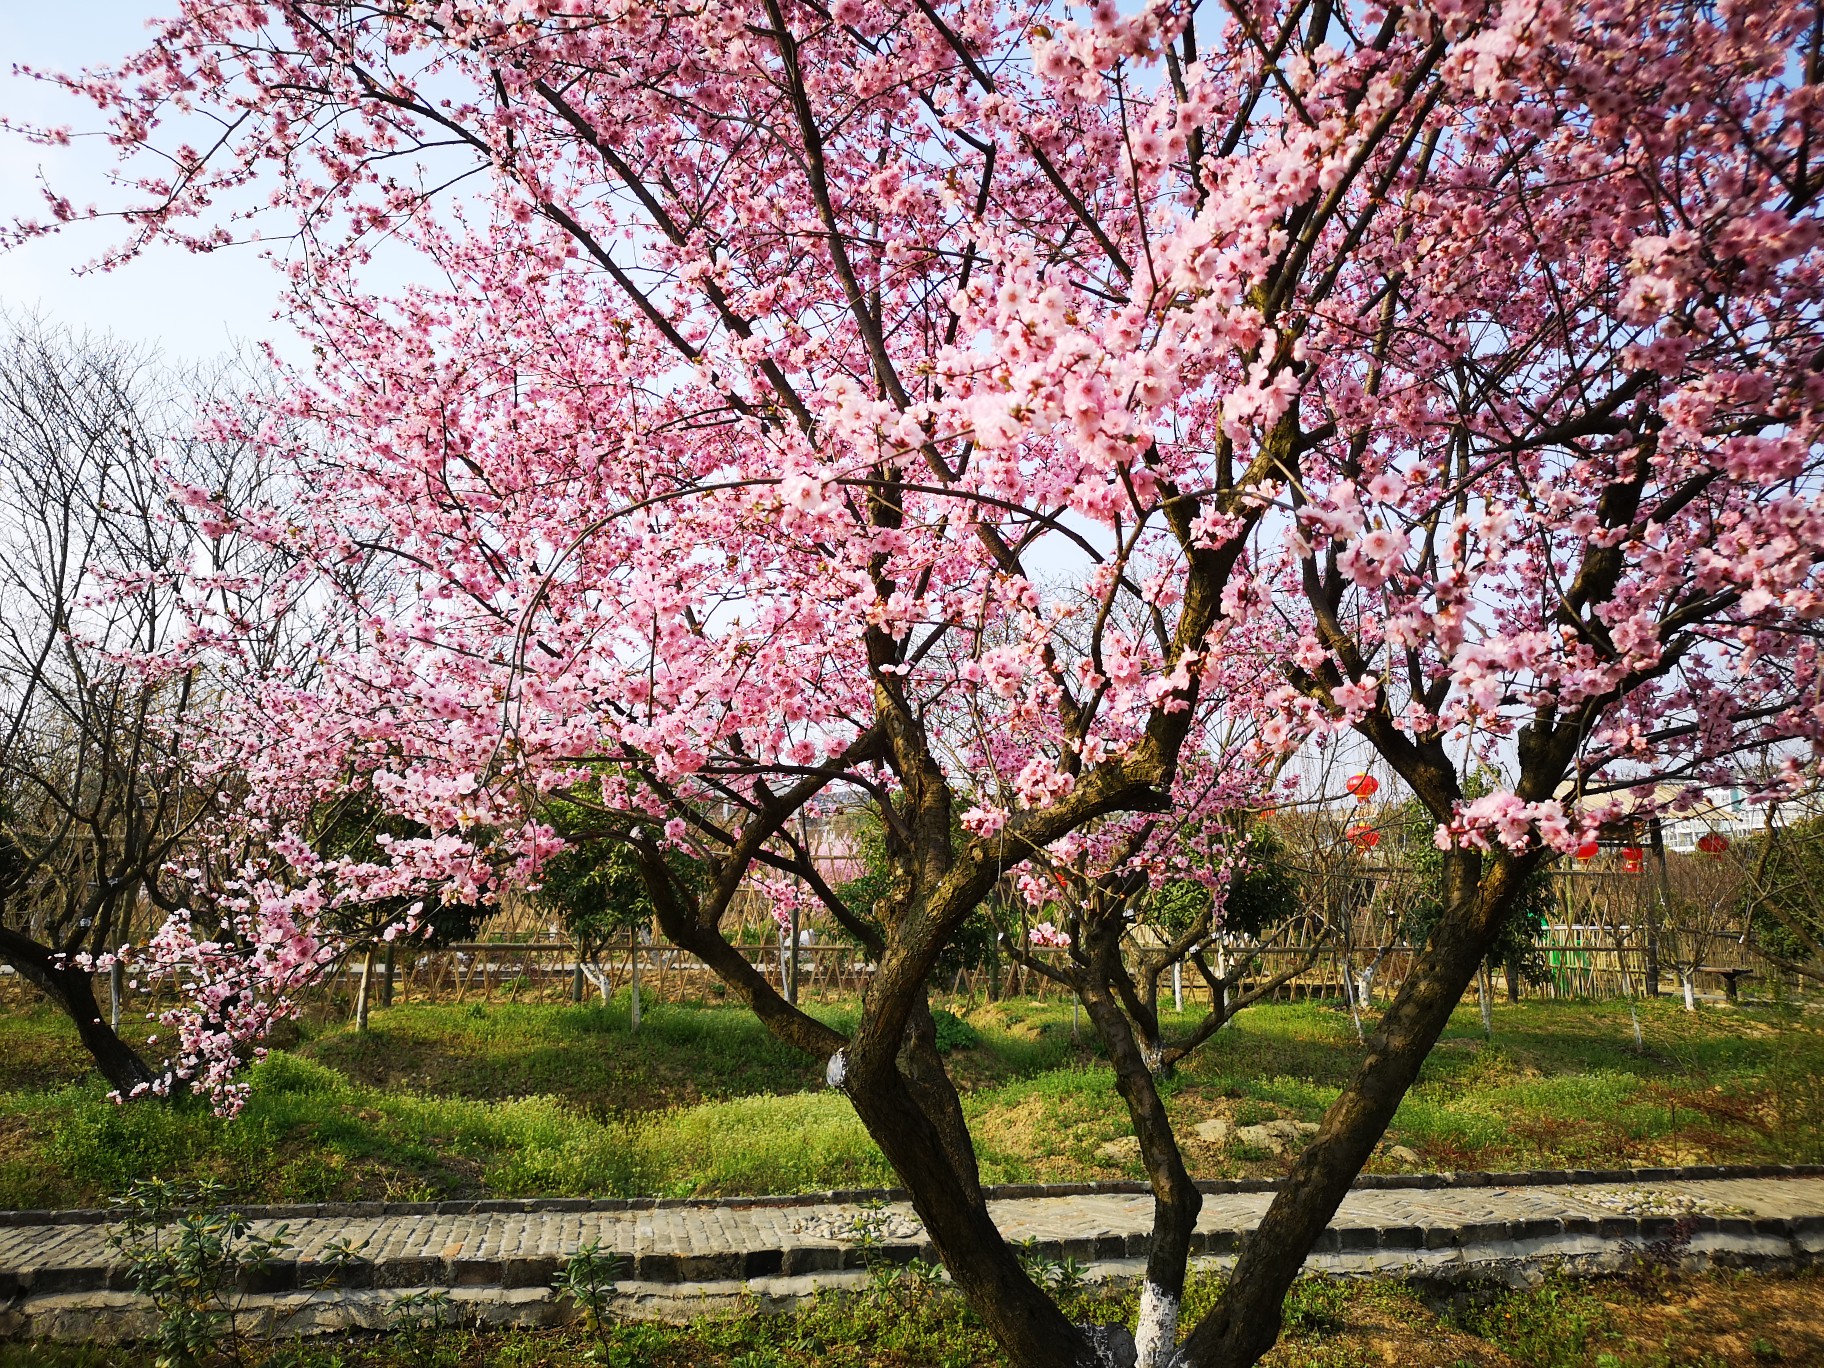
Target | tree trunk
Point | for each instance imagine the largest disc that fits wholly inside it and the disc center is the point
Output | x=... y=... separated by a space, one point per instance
x=1246 y=1320
x=364 y=994
x=1484 y=992
x=633 y=997
x=1512 y=971
x=1176 y=1200
x=1026 y=1323
x=1347 y=978
x=1656 y=904
x=119 y=1063
x=791 y=978
x=388 y=973
x=889 y=1069
x=74 y=994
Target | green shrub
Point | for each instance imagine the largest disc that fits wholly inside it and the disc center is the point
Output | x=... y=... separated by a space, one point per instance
x=1553 y=1326
x=1314 y=1306
x=953 y=1033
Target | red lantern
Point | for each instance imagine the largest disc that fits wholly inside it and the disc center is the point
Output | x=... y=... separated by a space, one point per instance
x=1713 y=843
x=1587 y=851
x=1363 y=786
x=1633 y=859
x=1363 y=836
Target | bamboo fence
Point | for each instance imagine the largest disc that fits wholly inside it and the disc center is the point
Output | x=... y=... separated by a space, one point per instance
x=1606 y=943
x=1583 y=961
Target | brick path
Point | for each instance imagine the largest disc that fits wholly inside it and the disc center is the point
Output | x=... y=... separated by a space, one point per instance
x=56 y=1265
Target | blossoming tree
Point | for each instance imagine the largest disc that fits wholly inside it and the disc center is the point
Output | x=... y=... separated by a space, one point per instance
x=788 y=352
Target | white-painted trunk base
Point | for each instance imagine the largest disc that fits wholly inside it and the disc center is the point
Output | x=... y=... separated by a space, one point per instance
x=1156 y=1338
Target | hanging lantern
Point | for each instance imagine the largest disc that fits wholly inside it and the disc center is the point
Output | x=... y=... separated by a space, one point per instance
x=1363 y=786
x=1633 y=859
x=1587 y=851
x=1362 y=836
x=1713 y=843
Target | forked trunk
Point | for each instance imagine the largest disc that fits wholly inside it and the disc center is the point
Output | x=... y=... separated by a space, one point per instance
x=1246 y=1320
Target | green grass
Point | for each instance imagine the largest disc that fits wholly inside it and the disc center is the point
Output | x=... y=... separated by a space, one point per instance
x=1721 y=1320
x=538 y=1100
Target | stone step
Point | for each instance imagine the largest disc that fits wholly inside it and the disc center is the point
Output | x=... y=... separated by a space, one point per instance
x=60 y=1278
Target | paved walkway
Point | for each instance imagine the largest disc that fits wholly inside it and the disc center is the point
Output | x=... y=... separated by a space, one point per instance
x=56 y=1265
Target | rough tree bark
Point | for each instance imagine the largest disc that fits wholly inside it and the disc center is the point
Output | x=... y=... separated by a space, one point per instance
x=1246 y=1321
x=72 y=991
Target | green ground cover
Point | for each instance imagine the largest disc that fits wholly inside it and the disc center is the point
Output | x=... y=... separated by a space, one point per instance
x=1648 y=1321
x=537 y=1100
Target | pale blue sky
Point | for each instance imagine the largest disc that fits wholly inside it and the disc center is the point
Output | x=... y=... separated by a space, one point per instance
x=189 y=306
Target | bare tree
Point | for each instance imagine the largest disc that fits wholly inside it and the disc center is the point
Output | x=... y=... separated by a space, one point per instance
x=1704 y=910
x=97 y=793
x=1782 y=900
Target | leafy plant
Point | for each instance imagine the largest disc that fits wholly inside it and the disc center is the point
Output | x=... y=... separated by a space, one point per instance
x=1314 y=1306
x=1783 y=895
x=587 y=1278
x=186 y=1253
x=953 y=1033
x=593 y=885
x=416 y=1320
x=1262 y=893
x=868 y=1231
x=191 y=1255
x=1061 y=1277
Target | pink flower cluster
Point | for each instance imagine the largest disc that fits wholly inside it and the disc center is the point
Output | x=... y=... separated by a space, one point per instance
x=968 y=397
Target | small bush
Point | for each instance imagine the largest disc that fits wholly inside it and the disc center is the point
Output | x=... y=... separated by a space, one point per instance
x=288 y=1073
x=1314 y=1306
x=953 y=1033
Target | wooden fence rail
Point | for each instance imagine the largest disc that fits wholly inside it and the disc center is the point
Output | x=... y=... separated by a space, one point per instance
x=1581 y=962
